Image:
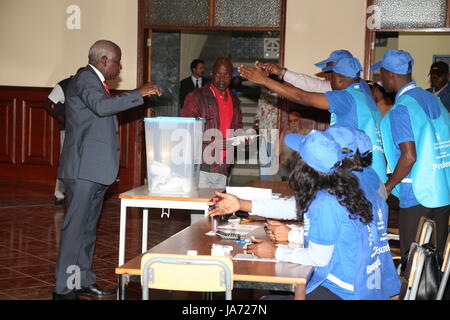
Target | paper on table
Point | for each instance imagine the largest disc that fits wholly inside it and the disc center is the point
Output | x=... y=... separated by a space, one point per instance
x=249 y=257
x=239 y=227
x=242 y=229
x=250 y=193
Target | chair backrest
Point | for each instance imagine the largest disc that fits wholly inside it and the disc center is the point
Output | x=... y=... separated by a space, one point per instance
x=186 y=273
x=426 y=231
x=445 y=269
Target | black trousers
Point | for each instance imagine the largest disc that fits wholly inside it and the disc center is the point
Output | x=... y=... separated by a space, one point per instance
x=84 y=200
x=409 y=221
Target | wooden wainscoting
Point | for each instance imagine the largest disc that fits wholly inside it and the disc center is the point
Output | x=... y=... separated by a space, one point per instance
x=29 y=143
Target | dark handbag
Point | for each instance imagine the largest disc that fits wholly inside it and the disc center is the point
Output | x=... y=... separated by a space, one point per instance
x=431 y=273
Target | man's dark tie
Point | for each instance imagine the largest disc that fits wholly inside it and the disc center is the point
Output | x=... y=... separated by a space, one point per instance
x=106 y=87
x=196 y=85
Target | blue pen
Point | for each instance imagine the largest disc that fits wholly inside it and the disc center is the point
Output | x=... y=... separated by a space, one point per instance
x=240 y=241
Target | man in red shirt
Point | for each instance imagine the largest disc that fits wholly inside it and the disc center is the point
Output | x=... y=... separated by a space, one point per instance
x=222 y=111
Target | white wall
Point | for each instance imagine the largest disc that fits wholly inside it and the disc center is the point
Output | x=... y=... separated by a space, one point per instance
x=38 y=50
x=315 y=28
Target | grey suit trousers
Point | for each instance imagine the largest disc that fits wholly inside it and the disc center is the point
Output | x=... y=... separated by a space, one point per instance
x=84 y=200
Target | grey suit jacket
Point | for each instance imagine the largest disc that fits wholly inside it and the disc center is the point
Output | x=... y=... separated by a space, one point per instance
x=91 y=146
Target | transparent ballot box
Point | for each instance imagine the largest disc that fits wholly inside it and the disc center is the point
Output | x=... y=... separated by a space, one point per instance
x=174 y=153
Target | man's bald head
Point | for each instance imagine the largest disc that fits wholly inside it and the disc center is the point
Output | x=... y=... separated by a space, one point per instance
x=223 y=61
x=221 y=74
x=105 y=55
x=102 y=48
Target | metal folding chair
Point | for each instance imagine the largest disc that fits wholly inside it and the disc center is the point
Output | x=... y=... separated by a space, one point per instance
x=186 y=273
x=445 y=270
x=413 y=272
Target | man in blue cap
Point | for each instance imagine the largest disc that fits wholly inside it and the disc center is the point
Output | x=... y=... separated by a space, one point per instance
x=348 y=103
x=415 y=135
x=309 y=83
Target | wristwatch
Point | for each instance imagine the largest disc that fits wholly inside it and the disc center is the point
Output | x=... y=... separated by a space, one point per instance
x=283 y=71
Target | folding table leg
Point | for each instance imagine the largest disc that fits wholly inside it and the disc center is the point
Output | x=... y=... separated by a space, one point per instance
x=144 y=230
x=123 y=286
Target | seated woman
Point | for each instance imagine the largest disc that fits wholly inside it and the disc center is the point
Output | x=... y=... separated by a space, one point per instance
x=344 y=234
x=357 y=149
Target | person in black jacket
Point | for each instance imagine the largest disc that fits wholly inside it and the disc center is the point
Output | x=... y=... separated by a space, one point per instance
x=55 y=106
x=194 y=81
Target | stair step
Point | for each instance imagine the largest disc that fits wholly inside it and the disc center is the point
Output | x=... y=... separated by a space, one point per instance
x=248 y=119
x=249 y=110
x=236 y=171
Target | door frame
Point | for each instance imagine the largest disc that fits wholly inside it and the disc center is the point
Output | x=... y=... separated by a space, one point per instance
x=144 y=68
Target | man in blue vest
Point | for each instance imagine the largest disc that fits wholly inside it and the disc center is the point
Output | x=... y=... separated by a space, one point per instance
x=348 y=103
x=416 y=137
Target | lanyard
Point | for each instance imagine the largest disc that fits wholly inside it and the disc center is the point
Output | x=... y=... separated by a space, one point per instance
x=404 y=90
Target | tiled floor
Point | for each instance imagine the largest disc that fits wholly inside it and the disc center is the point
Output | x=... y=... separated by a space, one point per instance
x=29 y=235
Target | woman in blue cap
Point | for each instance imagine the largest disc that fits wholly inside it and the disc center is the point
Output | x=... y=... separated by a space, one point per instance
x=351 y=257
x=357 y=149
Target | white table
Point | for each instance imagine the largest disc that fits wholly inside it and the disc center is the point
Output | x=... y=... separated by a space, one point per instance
x=140 y=197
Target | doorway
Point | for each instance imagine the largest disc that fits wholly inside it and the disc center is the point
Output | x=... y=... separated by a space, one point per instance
x=173 y=50
x=425 y=47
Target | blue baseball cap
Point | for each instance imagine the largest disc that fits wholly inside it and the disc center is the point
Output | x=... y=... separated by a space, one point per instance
x=396 y=61
x=349 y=67
x=318 y=149
x=363 y=142
x=344 y=136
x=334 y=56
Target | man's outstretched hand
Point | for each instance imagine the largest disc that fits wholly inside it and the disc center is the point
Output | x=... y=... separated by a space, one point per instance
x=256 y=75
x=149 y=89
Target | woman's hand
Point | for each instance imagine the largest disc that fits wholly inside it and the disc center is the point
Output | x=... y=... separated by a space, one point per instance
x=277 y=231
x=227 y=204
x=262 y=248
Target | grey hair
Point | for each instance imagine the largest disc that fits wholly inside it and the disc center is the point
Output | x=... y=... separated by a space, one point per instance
x=102 y=48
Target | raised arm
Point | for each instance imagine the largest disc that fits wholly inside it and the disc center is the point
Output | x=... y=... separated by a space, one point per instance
x=298 y=80
x=313 y=99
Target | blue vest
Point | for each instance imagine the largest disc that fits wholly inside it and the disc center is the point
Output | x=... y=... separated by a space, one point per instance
x=369 y=119
x=376 y=277
x=430 y=173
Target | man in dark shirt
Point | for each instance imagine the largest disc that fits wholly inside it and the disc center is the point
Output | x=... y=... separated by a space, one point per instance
x=194 y=81
x=55 y=107
x=439 y=76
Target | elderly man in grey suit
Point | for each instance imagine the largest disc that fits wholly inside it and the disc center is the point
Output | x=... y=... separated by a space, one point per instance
x=89 y=164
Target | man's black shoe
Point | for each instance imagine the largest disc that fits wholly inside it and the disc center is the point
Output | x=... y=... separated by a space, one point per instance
x=72 y=295
x=95 y=291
